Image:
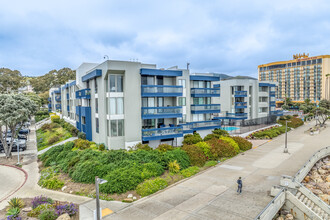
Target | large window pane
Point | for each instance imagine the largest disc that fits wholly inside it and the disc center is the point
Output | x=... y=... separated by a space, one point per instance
x=112 y=83
x=120 y=106
x=108 y=128
x=150 y=80
x=113 y=128
x=120 y=84
x=97 y=125
x=112 y=106
x=120 y=127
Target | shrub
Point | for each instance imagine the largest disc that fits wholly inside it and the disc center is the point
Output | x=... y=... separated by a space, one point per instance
x=52 y=183
x=219 y=132
x=179 y=155
x=13 y=212
x=164 y=147
x=45 y=127
x=53 y=139
x=81 y=144
x=220 y=148
x=39 y=209
x=196 y=155
x=243 y=144
x=82 y=135
x=210 y=136
x=230 y=141
x=55 y=118
x=210 y=163
x=151 y=170
x=85 y=172
x=294 y=123
x=71 y=209
x=101 y=147
x=39 y=200
x=190 y=171
x=74 y=131
x=269 y=133
x=151 y=186
x=16 y=203
x=141 y=146
x=48 y=214
x=192 y=139
x=174 y=167
x=205 y=148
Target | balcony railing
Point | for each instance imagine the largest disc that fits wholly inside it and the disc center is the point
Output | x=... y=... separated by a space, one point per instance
x=207 y=108
x=68 y=108
x=58 y=98
x=272 y=93
x=161 y=112
x=205 y=92
x=200 y=125
x=49 y=99
x=161 y=133
x=240 y=94
x=161 y=91
x=240 y=104
x=83 y=94
x=272 y=103
x=277 y=112
x=237 y=114
x=58 y=106
x=67 y=96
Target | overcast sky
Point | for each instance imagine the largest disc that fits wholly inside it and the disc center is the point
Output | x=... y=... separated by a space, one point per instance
x=231 y=37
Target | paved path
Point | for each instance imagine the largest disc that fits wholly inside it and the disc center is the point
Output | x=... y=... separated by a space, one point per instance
x=10 y=180
x=60 y=143
x=212 y=194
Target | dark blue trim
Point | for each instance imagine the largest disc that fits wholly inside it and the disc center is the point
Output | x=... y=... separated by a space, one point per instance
x=92 y=75
x=72 y=83
x=161 y=116
x=177 y=114
x=240 y=94
x=83 y=111
x=83 y=94
x=205 y=93
x=272 y=93
x=216 y=86
x=58 y=91
x=158 y=72
x=204 y=78
x=267 y=84
x=68 y=108
x=160 y=137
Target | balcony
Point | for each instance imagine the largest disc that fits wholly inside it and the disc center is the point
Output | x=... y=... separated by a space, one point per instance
x=234 y=116
x=240 y=105
x=161 y=91
x=67 y=96
x=272 y=104
x=240 y=94
x=49 y=105
x=49 y=99
x=162 y=133
x=272 y=93
x=83 y=94
x=161 y=112
x=58 y=106
x=200 y=125
x=58 y=98
x=277 y=113
x=57 y=91
x=68 y=108
x=204 y=109
x=205 y=92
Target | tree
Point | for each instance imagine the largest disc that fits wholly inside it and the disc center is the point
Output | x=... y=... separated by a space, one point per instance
x=322 y=115
x=15 y=109
x=34 y=97
x=44 y=97
x=10 y=80
x=325 y=104
x=307 y=106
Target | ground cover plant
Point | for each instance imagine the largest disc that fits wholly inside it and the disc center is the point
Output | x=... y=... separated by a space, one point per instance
x=268 y=133
x=41 y=115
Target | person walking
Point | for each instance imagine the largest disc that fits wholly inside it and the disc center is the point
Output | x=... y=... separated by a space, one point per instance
x=239 y=185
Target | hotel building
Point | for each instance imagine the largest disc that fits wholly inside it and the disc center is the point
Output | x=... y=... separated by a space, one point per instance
x=301 y=78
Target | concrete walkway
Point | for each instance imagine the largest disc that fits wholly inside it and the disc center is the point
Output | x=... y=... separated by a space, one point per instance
x=212 y=194
x=60 y=143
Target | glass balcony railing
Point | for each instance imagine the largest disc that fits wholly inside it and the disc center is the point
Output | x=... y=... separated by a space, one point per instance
x=200 y=125
x=272 y=103
x=205 y=92
x=83 y=94
x=240 y=104
x=161 y=133
x=161 y=112
x=161 y=91
x=237 y=114
x=272 y=93
x=207 y=108
x=240 y=94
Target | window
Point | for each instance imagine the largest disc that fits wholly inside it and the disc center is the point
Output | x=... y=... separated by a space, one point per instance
x=117 y=128
x=83 y=120
x=198 y=117
x=95 y=86
x=182 y=101
x=147 y=80
x=182 y=82
x=160 y=80
x=120 y=83
x=263 y=89
x=97 y=105
x=183 y=119
x=97 y=125
x=116 y=83
x=263 y=109
x=116 y=106
x=108 y=128
x=87 y=84
x=112 y=83
x=160 y=101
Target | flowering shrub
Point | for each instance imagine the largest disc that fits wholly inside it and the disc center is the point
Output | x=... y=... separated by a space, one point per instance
x=268 y=133
x=196 y=155
x=39 y=209
x=71 y=209
x=41 y=200
x=192 y=139
x=220 y=148
x=12 y=217
x=205 y=148
x=243 y=144
x=230 y=141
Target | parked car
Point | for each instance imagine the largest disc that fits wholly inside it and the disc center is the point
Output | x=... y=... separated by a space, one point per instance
x=21 y=144
x=19 y=136
x=24 y=131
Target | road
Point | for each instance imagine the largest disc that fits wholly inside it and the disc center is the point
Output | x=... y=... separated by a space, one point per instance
x=10 y=180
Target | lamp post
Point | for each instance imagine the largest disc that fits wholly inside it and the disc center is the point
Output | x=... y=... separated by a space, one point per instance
x=286 y=138
x=97 y=182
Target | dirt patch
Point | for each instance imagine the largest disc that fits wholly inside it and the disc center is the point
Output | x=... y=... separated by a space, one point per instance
x=11 y=161
x=28 y=203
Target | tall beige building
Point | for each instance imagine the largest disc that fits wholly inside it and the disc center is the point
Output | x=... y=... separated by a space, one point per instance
x=301 y=78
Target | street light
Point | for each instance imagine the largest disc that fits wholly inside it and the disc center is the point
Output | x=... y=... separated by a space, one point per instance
x=97 y=182
x=286 y=138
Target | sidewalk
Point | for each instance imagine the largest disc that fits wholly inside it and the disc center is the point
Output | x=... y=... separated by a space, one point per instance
x=212 y=194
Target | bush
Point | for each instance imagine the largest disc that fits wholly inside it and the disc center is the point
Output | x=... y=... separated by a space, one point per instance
x=190 y=171
x=173 y=167
x=85 y=172
x=52 y=183
x=164 y=147
x=268 y=133
x=210 y=136
x=39 y=209
x=219 y=132
x=74 y=131
x=39 y=200
x=151 y=170
x=82 y=135
x=220 y=148
x=141 y=146
x=48 y=214
x=53 y=139
x=230 y=141
x=179 y=155
x=210 y=163
x=151 y=186
x=55 y=118
x=243 y=144
x=81 y=144
x=71 y=209
x=293 y=122
x=205 y=148
x=196 y=155
x=101 y=147
x=192 y=139
x=16 y=203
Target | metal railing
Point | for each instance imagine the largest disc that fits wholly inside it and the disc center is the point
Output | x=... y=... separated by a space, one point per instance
x=161 y=110
x=240 y=104
x=156 y=89
x=205 y=107
x=205 y=91
x=240 y=93
x=83 y=94
x=162 y=131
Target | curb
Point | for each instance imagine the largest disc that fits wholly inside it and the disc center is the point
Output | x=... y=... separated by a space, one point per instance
x=26 y=177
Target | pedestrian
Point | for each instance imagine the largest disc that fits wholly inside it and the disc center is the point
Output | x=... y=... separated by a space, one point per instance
x=239 y=185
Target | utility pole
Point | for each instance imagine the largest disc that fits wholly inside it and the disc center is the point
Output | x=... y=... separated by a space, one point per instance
x=286 y=138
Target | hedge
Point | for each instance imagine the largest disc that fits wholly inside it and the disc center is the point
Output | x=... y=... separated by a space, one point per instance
x=196 y=155
x=243 y=144
x=220 y=148
x=230 y=141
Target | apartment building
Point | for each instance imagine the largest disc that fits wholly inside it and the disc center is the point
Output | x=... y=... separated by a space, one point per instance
x=54 y=100
x=245 y=97
x=69 y=101
x=301 y=78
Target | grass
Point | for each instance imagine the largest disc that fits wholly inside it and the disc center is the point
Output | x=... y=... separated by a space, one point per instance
x=43 y=137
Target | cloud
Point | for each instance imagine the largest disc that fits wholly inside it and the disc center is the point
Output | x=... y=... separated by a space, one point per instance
x=230 y=37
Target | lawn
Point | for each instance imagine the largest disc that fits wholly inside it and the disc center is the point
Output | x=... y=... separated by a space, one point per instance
x=51 y=134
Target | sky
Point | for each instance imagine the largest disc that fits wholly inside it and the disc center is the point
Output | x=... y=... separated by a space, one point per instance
x=231 y=37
